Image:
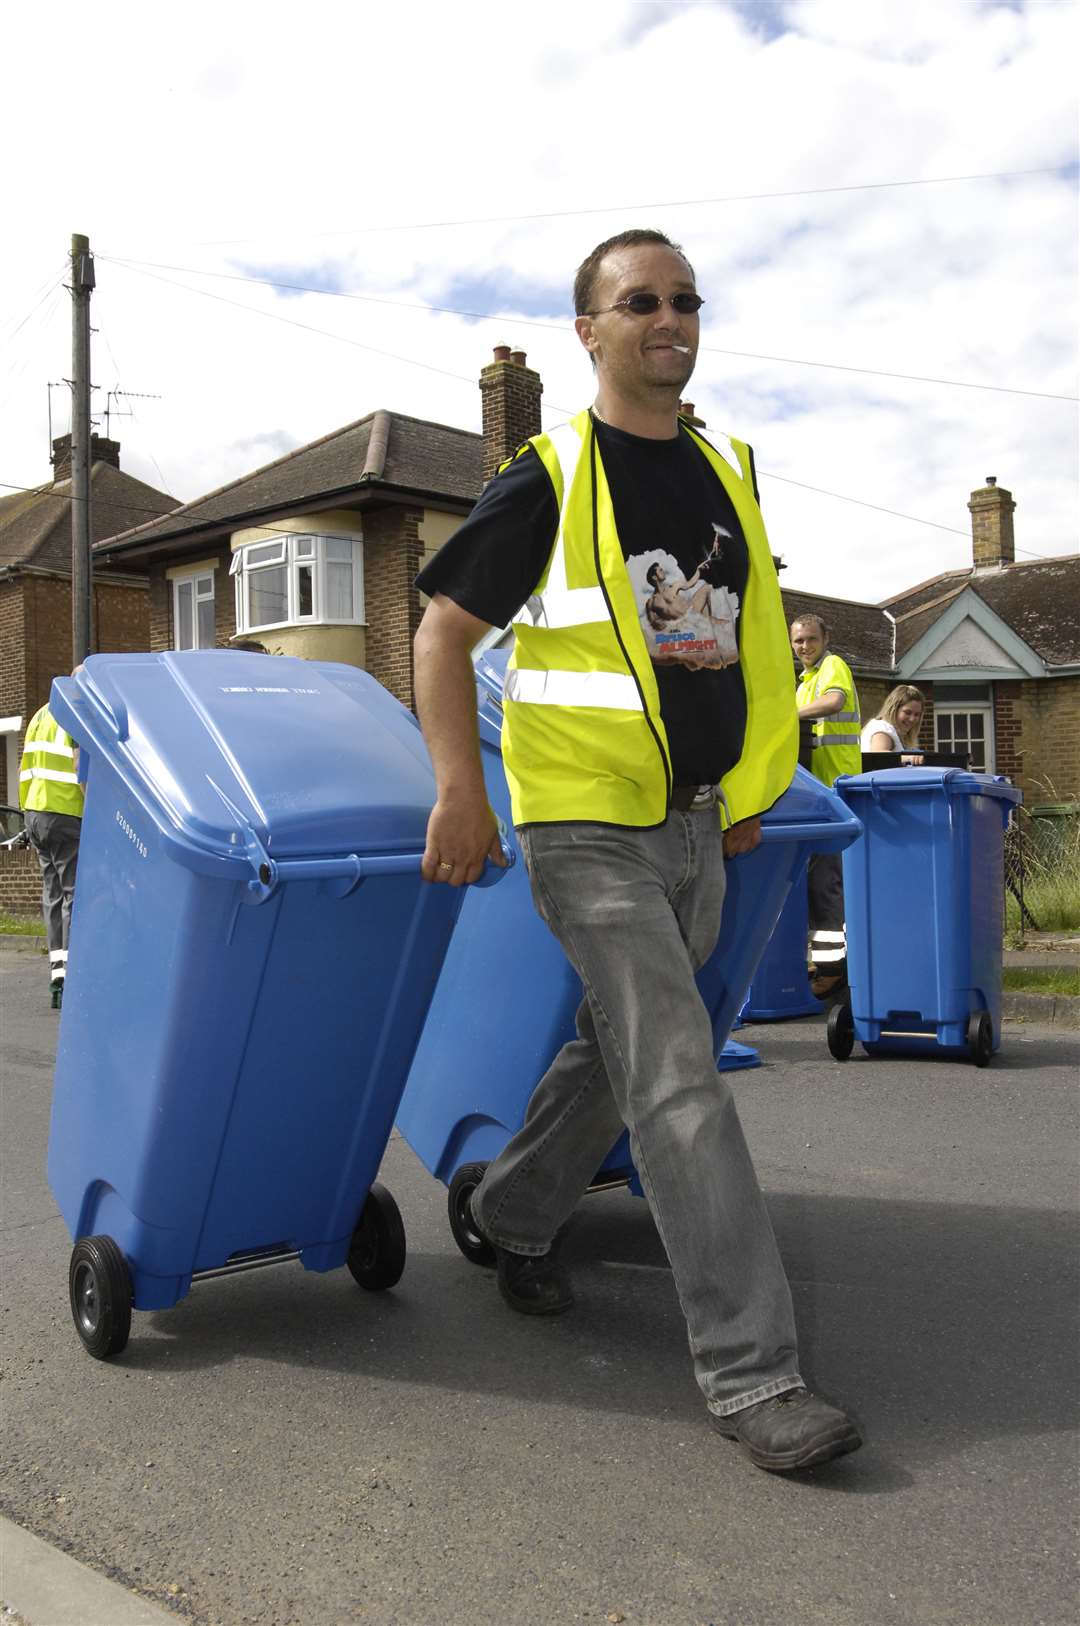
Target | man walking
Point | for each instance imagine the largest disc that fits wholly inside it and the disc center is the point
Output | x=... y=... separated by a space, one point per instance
x=634 y=765
x=826 y=699
x=52 y=801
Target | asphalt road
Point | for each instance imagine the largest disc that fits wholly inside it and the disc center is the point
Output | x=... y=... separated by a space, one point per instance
x=284 y=1448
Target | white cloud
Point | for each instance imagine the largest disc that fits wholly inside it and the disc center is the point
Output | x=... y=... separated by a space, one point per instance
x=299 y=130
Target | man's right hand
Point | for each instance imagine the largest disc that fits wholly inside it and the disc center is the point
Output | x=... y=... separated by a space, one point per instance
x=461 y=836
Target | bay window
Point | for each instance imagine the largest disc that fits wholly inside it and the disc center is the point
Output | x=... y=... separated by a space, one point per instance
x=298 y=579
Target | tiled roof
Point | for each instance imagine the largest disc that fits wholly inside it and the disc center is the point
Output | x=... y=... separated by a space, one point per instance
x=1039 y=600
x=861 y=633
x=35 y=526
x=385 y=449
x=910 y=628
x=912 y=597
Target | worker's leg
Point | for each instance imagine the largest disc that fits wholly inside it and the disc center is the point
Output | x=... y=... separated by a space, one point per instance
x=825 y=897
x=65 y=856
x=637 y=912
x=39 y=827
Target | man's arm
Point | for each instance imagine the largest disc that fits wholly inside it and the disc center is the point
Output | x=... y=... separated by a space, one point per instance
x=824 y=706
x=462 y=831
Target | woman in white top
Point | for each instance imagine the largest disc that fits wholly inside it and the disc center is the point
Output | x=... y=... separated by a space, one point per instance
x=897 y=727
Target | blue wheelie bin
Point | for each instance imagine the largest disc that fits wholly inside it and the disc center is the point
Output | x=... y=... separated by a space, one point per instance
x=252 y=955
x=780 y=988
x=507 y=996
x=924 y=895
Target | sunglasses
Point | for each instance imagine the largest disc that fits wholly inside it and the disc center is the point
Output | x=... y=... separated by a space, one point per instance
x=645 y=305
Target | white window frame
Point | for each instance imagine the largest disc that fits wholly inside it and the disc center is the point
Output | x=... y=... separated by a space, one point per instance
x=968 y=709
x=197 y=578
x=298 y=550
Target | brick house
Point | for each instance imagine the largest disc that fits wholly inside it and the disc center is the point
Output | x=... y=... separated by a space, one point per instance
x=315 y=554
x=35 y=586
x=995 y=649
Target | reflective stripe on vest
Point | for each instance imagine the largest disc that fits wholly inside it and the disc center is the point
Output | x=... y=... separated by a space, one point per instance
x=836 y=749
x=613 y=690
x=582 y=734
x=47 y=780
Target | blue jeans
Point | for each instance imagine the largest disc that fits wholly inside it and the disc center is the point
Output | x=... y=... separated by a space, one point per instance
x=637 y=912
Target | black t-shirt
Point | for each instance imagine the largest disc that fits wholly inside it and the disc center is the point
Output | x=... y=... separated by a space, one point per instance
x=687 y=561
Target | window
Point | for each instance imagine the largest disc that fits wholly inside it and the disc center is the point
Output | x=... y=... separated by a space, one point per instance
x=964 y=722
x=969 y=731
x=193 y=610
x=298 y=579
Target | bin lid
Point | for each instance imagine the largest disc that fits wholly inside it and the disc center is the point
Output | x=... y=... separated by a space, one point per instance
x=952 y=781
x=227 y=749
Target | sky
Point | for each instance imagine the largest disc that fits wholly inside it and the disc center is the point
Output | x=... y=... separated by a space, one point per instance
x=447 y=168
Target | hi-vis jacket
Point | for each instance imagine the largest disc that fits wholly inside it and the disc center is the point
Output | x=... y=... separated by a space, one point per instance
x=47 y=779
x=836 y=738
x=582 y=736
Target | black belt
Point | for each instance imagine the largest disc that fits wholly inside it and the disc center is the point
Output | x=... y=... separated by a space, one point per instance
x=683 y=797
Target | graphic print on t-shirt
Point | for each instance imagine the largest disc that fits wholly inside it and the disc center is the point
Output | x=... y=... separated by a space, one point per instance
x=687 y=620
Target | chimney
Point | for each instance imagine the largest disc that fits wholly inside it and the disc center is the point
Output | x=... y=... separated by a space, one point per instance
x=101 y=451
x=510 y=398
x=991 y=510
x=686 y=410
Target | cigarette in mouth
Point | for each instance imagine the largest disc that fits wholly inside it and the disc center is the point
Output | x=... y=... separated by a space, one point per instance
x=684 y=349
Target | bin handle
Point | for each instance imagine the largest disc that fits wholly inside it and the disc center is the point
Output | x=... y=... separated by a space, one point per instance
x=270 y=872
x=107 y=700
x=804 y=832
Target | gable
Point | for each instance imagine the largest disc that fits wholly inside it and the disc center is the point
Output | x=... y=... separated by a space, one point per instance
x=968 y=640
x=970 y=645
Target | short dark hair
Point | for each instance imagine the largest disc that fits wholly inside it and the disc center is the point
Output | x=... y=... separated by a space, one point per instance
x=809 y=619
x=650 y=574
x=251 y=645
x=585 y=277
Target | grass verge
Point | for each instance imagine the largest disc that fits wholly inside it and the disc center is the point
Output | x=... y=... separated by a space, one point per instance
x=1051 y=979
x=21 y=926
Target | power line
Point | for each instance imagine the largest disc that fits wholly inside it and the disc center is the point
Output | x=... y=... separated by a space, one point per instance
x=127 y=396
x=51 y=283
x=134 y=508
x=671 y=203
x=839 y=495
x=273 y=316
x=914 y=518
x=560 y=327
x=333 y=293
x=878 y=372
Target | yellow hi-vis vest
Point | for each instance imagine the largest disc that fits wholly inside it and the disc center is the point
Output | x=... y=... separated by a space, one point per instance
x=583 y=737
x=836 y=738
x=47 y=780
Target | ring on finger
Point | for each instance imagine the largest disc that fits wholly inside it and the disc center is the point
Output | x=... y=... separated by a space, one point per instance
x=445 y=865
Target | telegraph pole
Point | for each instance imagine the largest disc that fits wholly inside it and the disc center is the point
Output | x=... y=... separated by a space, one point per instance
x=82 y=283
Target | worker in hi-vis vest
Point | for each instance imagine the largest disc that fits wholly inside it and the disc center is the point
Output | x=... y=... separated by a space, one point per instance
x=51 y=798
x=647 y=725
x=826 y=699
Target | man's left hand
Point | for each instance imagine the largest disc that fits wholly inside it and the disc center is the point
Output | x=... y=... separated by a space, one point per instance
x=742 y=837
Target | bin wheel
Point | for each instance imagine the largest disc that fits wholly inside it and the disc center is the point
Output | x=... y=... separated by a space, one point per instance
x=980 y=1037
x=477 y=1249
x=377 y=1250
x=840 y=1031
x=99 y=1285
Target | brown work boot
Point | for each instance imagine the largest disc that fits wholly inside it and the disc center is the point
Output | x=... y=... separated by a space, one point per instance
x=792 y=1430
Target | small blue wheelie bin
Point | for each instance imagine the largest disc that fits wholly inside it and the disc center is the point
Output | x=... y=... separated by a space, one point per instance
x=780 y=987
x=252 y=955
x=507 y=996
x=924 y=898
